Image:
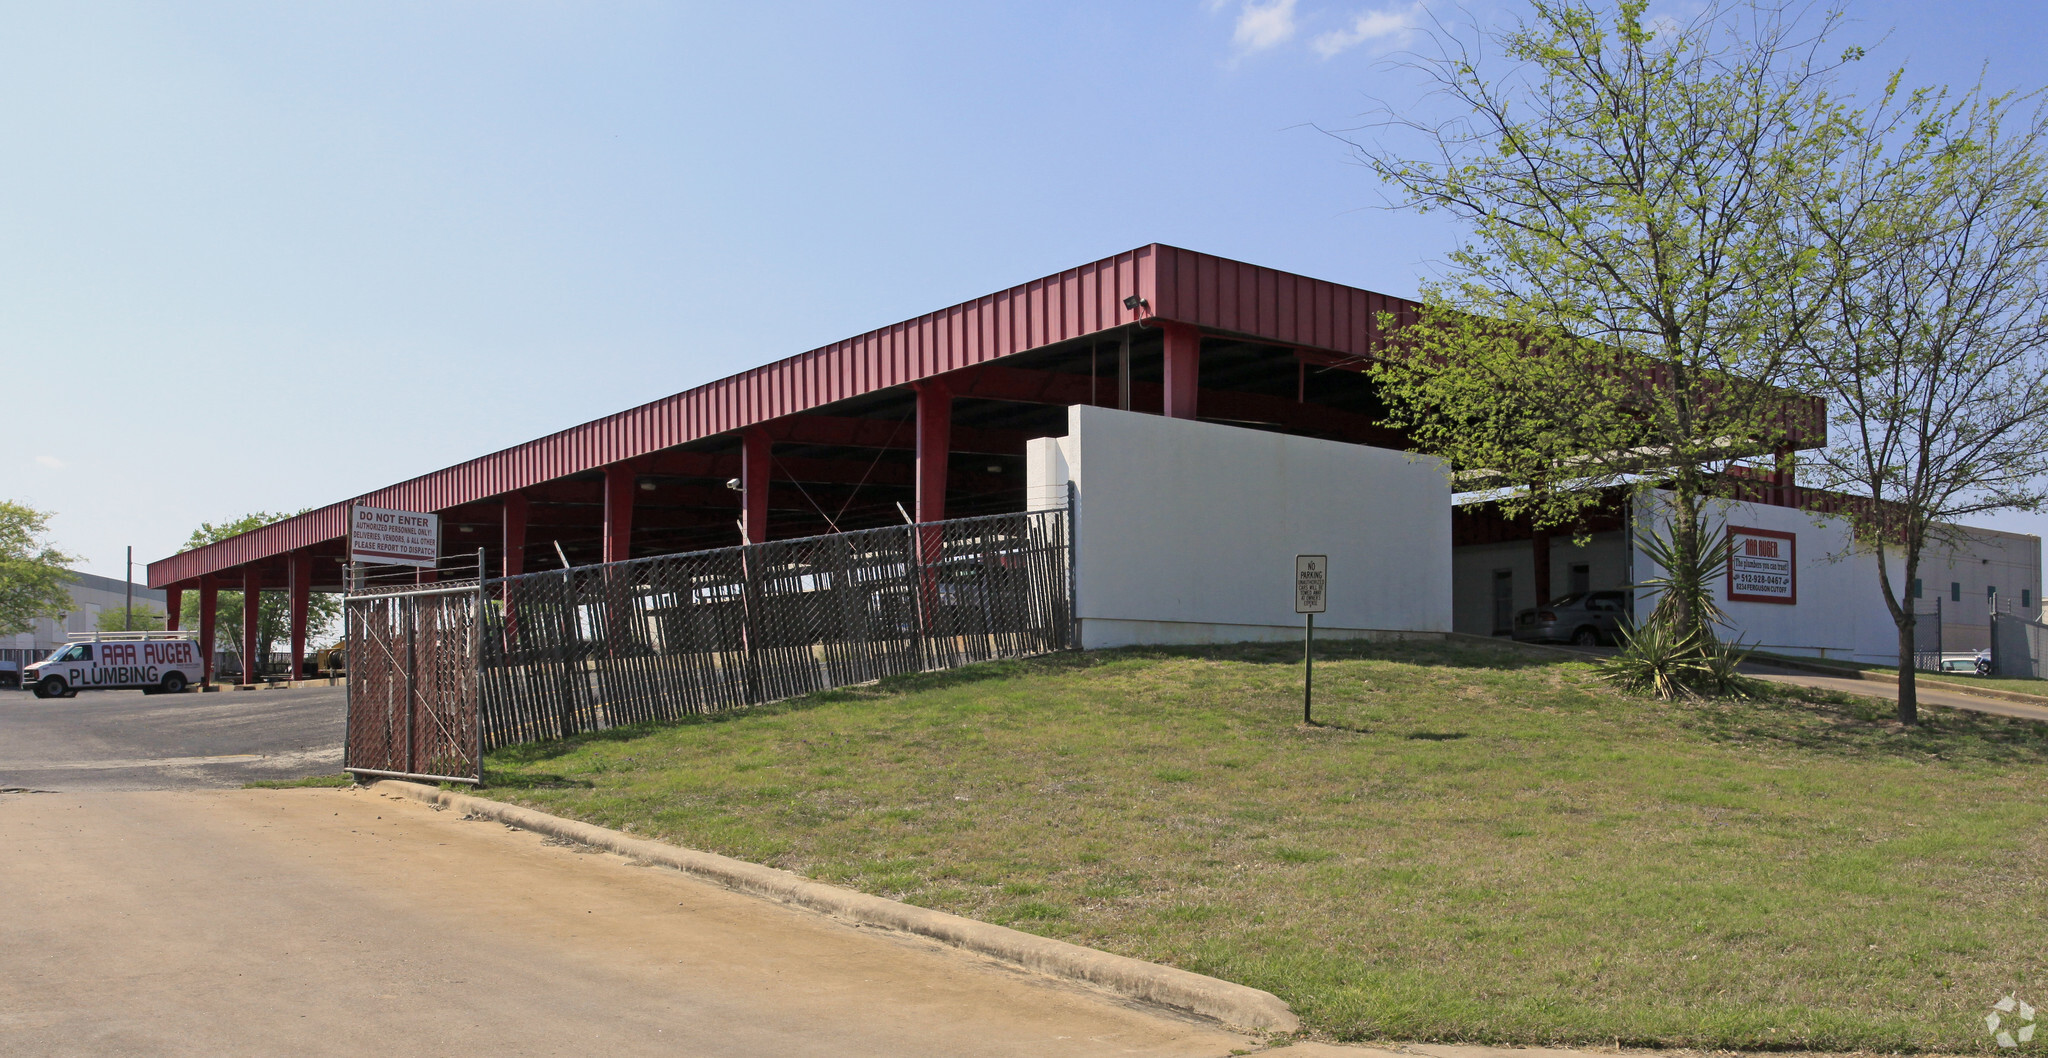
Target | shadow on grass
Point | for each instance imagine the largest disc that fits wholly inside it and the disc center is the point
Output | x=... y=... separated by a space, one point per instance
x=1457 y=654
x=498 y=780
x=1436 y=736
x=1423 y=653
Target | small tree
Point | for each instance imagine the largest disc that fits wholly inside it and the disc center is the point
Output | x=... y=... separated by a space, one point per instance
x=273 y=610
x=1935 y=350
x=147 y=619
x=1637 y=277
x=33 y=580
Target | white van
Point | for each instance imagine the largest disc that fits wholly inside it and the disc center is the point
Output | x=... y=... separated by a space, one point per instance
x=157 y=662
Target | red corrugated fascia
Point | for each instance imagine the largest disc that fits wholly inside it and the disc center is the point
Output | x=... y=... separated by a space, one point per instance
x=1220 y=294
x=1071 y=304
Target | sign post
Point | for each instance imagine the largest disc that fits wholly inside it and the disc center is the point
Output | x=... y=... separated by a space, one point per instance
x=1311 y=597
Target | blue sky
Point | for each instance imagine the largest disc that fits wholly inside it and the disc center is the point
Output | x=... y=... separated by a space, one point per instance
x=267 y=256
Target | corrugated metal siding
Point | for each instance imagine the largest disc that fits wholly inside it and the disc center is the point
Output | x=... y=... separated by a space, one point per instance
x=1072 y=304
x=1224 y=295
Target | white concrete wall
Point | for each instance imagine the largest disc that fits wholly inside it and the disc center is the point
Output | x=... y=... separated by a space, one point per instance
x=1841 y=611
x=1187 y=531
x=1473 y=567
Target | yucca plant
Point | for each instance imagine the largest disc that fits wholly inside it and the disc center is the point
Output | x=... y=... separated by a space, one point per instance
x=1676 y=652
x=1657 y=658
x=1683 y=598
x=1721 y=664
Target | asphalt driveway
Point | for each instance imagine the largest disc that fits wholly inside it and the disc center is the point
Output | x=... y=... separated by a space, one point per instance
x=340 y=922
x=126 y=740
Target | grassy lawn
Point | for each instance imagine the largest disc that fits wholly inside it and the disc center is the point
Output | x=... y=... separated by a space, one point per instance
x=1971 y=679
x=1476 y=846
x=2009 y=683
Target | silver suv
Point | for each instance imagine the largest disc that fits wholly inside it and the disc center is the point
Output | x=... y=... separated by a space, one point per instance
x=1584 y=618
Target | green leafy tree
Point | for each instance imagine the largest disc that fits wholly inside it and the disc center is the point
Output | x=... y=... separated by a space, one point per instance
x=1934 y=352
x=1639 y=271
x=33 y=580
x=273 y=623
x=147 y=619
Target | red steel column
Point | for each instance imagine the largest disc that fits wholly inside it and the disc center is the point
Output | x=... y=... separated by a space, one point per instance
x=934 y=445
x=514 y=540
x=512 y=563
x=1183 y=369
x=934 y=441
x=252 y=613
x=618 y=512
x=209 y=616
x=174 y=603
x=1781 y=476
x=1541 y=544
x=302 y=605
x=756 y=455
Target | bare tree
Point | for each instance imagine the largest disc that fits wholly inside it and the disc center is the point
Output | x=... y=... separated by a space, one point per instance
x=1934 y=354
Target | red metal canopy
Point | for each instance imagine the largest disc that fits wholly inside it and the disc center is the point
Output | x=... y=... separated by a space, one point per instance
x=1170 y=285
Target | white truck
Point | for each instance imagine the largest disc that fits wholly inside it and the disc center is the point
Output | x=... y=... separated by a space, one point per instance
x=156 y=662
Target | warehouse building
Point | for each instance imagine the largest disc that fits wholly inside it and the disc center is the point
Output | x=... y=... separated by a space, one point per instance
x=1207 y=419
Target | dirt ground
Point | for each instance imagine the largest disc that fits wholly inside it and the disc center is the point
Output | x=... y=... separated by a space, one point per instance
x=314 y=922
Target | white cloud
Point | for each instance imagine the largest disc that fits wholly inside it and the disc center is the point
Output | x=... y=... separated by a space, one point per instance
x=1264 y=25
x=1391 y=27
x=51 y=461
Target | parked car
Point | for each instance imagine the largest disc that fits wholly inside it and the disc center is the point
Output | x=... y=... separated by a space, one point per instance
x=10 y=674
x=1584 y=618
x=1978 y=663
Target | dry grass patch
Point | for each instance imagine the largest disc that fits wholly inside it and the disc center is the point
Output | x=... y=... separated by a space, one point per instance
x=1474 y=845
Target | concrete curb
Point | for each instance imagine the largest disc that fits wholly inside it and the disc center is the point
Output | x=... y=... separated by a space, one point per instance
x=1233 y=1004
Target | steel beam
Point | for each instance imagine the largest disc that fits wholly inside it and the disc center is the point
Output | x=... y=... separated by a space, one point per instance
x=301 y=605
x=757 y=454
x=209 y=619
x=1183 y=369
x=852 y=432
x=252 y=621
x=512 y=538
x=934 y=446
x=618 y=512
x=1028 y=386
x=174 y=605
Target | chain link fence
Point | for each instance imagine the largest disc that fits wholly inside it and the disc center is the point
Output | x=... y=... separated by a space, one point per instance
x=2018 y=643
x=1926 y=637
x=663 y=638
x=413 y=683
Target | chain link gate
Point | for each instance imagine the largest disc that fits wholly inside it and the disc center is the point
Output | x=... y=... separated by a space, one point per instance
x=413 y=684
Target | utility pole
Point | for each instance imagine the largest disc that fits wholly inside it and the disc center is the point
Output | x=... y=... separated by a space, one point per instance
x=128 y=594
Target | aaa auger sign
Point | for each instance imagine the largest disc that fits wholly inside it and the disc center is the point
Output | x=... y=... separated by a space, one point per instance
x=1762 y=566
